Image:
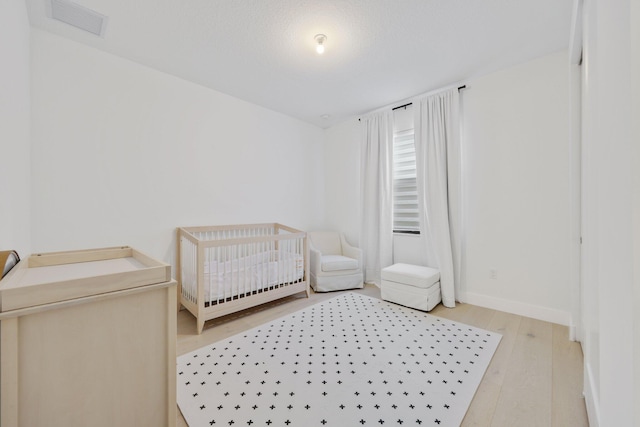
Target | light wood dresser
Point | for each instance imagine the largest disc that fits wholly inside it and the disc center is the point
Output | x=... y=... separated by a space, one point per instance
x=88 y=338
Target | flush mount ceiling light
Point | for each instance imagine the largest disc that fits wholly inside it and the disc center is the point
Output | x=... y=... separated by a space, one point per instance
x=320 y=39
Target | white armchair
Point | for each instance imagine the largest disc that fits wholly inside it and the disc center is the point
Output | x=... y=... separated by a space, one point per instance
x=335 y=264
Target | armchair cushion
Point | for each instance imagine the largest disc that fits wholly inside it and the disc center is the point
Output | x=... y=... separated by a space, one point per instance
x=338 y=263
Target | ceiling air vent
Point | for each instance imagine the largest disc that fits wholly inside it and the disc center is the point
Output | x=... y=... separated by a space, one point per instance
x=78 y=16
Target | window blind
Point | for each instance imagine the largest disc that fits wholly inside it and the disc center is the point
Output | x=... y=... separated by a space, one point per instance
x=405 y=190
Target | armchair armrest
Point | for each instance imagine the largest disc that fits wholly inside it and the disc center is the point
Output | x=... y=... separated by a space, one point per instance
x=351 y=251
x=316 y=259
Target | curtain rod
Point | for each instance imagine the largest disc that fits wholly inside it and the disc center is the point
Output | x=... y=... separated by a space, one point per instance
x=411 y=103
x=401 y=106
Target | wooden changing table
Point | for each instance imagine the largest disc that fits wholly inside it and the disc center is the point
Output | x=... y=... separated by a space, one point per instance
x=87 y=338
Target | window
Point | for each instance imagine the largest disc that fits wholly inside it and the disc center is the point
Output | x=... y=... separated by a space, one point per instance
x=405 y=190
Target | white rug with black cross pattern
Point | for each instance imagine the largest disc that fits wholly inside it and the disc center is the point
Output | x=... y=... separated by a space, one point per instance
x=350 y=361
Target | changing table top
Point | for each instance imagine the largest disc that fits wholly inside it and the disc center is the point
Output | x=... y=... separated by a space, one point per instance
x=61 y=276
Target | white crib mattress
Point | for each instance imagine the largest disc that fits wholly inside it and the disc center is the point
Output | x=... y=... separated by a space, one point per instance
x=245 y=275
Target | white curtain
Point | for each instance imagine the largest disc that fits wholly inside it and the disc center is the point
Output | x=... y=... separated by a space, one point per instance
x=437 y=139
x=376 y=183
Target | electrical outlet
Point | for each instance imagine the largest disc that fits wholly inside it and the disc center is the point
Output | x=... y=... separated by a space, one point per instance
x=493 y=274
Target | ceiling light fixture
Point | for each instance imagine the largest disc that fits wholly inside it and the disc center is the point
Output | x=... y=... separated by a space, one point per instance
x=320 y=39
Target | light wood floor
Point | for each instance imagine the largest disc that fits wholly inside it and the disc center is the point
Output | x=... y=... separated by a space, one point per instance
x=534 y=379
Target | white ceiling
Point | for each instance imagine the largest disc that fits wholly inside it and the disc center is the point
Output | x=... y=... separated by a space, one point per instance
x=378 y=51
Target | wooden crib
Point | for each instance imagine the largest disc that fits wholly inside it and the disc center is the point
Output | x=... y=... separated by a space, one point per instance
x=224 y=269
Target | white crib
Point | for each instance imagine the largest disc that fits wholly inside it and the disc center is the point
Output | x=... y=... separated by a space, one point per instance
x=224 y=269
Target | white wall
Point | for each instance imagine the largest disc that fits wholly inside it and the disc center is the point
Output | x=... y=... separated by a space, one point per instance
x=123 y=154
x=611 y=212
x=14 y=127
x=516 y=174
x=342 y=179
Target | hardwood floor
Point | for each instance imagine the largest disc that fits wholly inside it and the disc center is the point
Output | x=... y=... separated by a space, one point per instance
x=534 y=379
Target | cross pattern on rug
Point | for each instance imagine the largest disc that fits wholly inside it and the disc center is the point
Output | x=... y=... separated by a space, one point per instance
x=350 y=361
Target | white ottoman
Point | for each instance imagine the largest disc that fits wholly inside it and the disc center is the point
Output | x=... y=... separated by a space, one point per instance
x=411 y=285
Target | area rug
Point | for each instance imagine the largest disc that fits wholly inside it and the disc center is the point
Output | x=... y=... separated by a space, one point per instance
x=350 y=361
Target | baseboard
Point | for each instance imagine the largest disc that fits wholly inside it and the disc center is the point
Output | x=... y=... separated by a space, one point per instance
x=590 y=401
x=522 y=309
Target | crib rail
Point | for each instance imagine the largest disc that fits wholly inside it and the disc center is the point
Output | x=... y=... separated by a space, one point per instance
x=222 y=264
